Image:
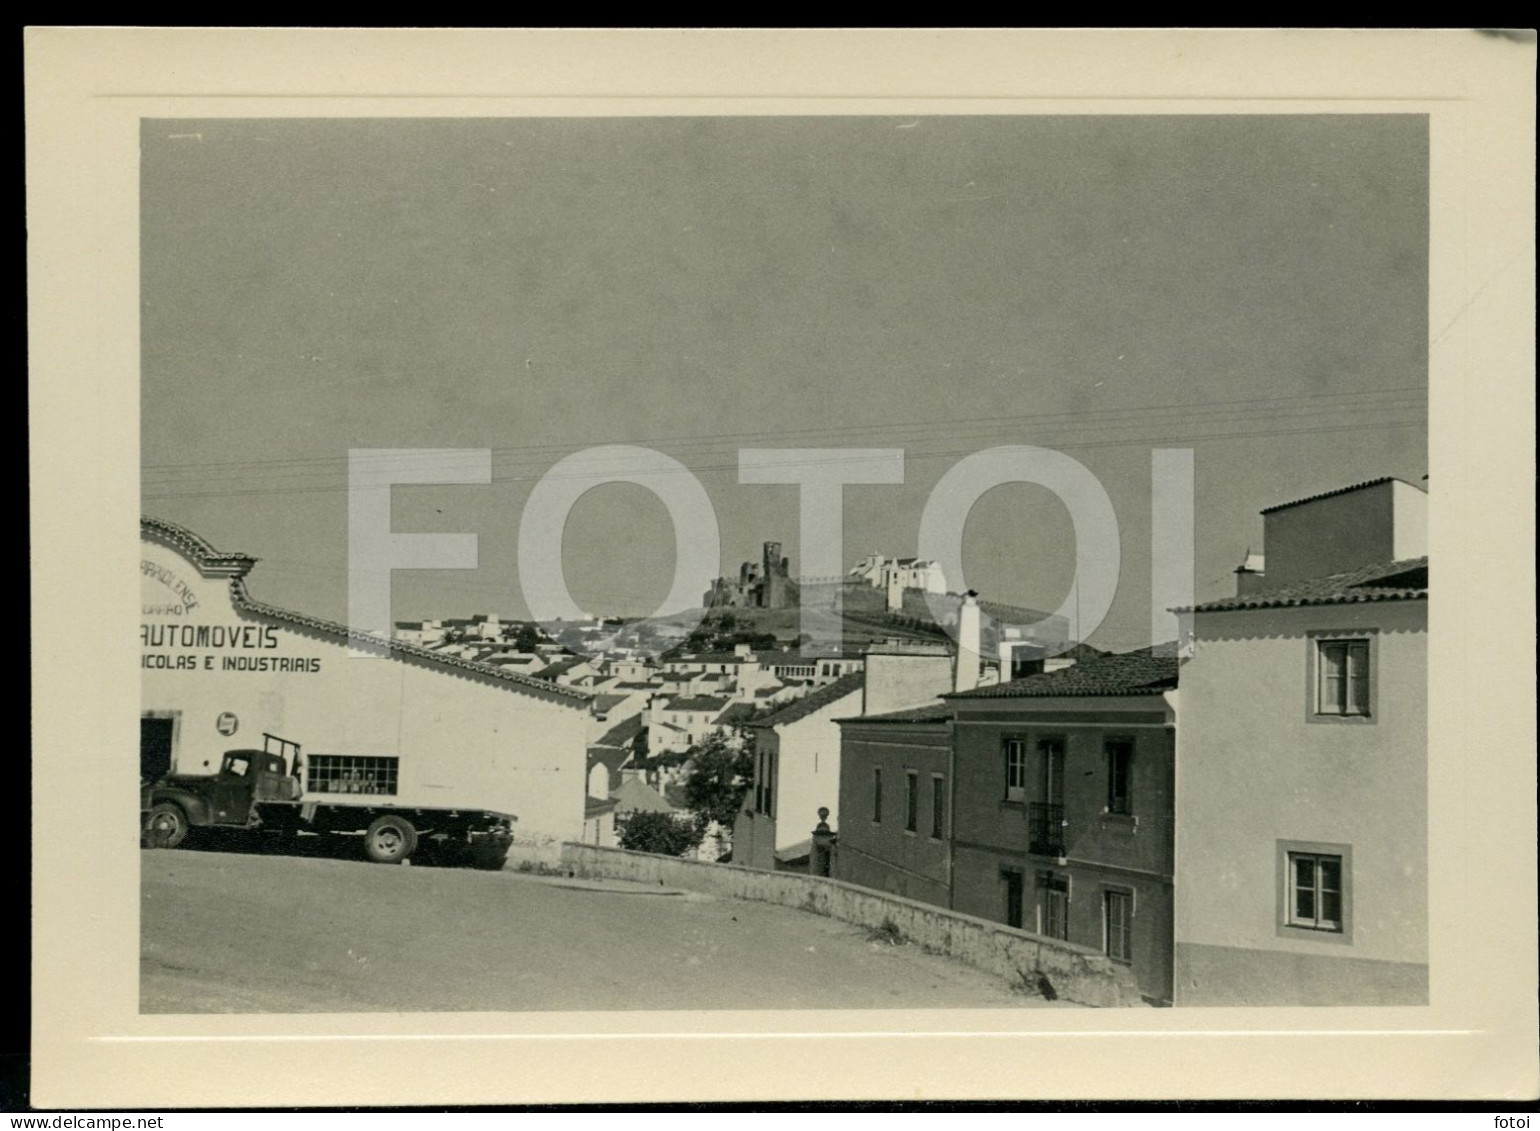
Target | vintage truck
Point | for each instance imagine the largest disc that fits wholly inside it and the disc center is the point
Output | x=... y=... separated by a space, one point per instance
x=262 y=791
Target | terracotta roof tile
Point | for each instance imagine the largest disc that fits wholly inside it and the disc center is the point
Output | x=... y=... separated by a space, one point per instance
x=814 y=701
x=929 y=713
x=1338 y=491
x=621 y=733
x=1405 y=580
x=636 y=796
x=559 y=667
x=1126 y=673
x=696 y=703
x=737 y=713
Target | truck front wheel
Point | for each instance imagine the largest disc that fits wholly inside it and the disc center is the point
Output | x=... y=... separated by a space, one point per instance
x=390 y=840
x=166 y=826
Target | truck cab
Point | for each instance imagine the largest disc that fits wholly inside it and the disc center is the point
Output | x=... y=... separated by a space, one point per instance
x=245 y=777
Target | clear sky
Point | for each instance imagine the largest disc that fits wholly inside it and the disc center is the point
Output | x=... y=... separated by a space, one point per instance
x=1254 y=288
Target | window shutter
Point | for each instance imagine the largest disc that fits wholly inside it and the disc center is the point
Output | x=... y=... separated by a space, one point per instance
x=1333 y=661
x=1358 y=679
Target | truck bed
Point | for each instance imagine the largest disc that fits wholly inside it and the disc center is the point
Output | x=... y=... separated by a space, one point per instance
x=349 y=816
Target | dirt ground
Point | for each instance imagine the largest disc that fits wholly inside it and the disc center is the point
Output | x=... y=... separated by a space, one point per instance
x=225 y=932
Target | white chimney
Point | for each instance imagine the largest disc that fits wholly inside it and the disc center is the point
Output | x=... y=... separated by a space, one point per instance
x=968 y=643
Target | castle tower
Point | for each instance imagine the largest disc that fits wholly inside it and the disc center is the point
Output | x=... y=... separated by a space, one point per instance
x=774 y=593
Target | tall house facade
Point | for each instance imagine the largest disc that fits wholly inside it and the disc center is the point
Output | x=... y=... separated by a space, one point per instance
x=1301 y=816
x=1063 y=808
x=896 y=803
x=796 y=772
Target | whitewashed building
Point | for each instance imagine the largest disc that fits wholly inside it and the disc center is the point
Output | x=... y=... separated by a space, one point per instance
x=221 y=669
x=1302 y=764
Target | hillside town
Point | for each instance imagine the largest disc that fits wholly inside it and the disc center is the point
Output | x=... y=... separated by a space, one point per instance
x=1237 y=816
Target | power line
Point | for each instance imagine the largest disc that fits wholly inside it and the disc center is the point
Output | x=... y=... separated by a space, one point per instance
x=914 y=457
x=1106 y=416
x=406 y=459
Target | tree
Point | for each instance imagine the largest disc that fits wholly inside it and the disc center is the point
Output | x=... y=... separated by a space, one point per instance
x=528 y=638
x=661 y=833
x=719 y=777
x=665 y=759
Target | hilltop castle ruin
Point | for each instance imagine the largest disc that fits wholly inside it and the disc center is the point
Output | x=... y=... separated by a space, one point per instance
x=765 y=584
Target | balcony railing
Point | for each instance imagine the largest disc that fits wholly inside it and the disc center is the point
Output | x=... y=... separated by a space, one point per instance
x=1045 y=829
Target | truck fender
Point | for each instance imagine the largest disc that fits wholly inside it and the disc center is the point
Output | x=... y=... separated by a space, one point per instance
x=195 y=807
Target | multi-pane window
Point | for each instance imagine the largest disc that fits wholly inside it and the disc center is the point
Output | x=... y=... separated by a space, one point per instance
x=937 y=806
x=1342 y=677
x=1054 y=905
x=912 y=800
x=349 y=773
x=1119 y=910
x=1015 y=769
x=876 y=794
x=1120 y=761
x=1315 y=891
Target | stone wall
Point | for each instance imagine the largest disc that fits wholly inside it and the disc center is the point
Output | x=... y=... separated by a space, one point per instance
x=1074 y=973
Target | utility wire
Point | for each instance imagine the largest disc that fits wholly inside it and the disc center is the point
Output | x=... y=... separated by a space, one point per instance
x=152 y=494
x=1099 y=417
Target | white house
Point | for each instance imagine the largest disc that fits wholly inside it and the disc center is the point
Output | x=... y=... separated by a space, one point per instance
x=797 y=771
x=880 y=572
x=221 y=669
x=1302 y=765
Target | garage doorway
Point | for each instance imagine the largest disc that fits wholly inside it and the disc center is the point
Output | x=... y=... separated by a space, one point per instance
x=157 y=739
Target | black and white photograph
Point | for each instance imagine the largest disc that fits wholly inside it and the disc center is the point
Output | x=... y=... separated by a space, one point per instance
x=689 y=560
x=325 y=300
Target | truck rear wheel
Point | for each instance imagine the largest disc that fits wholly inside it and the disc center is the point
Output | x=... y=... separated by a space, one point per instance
x=390 y=840
x=166 y=826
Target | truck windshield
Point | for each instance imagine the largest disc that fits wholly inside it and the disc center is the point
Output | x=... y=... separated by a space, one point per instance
x=237 y=765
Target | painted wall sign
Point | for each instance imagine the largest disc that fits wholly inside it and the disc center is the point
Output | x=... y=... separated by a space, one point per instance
x=252 y=636
x=227 y=638
x=209 y=662
x=183 y=599
x=227 y=724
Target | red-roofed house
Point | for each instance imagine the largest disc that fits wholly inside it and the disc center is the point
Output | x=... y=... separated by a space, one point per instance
x=1062 y=807
x=876 y=850
x=797 y=771
x=1302 y=776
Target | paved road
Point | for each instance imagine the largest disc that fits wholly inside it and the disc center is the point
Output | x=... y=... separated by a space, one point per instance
x=230 y=933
